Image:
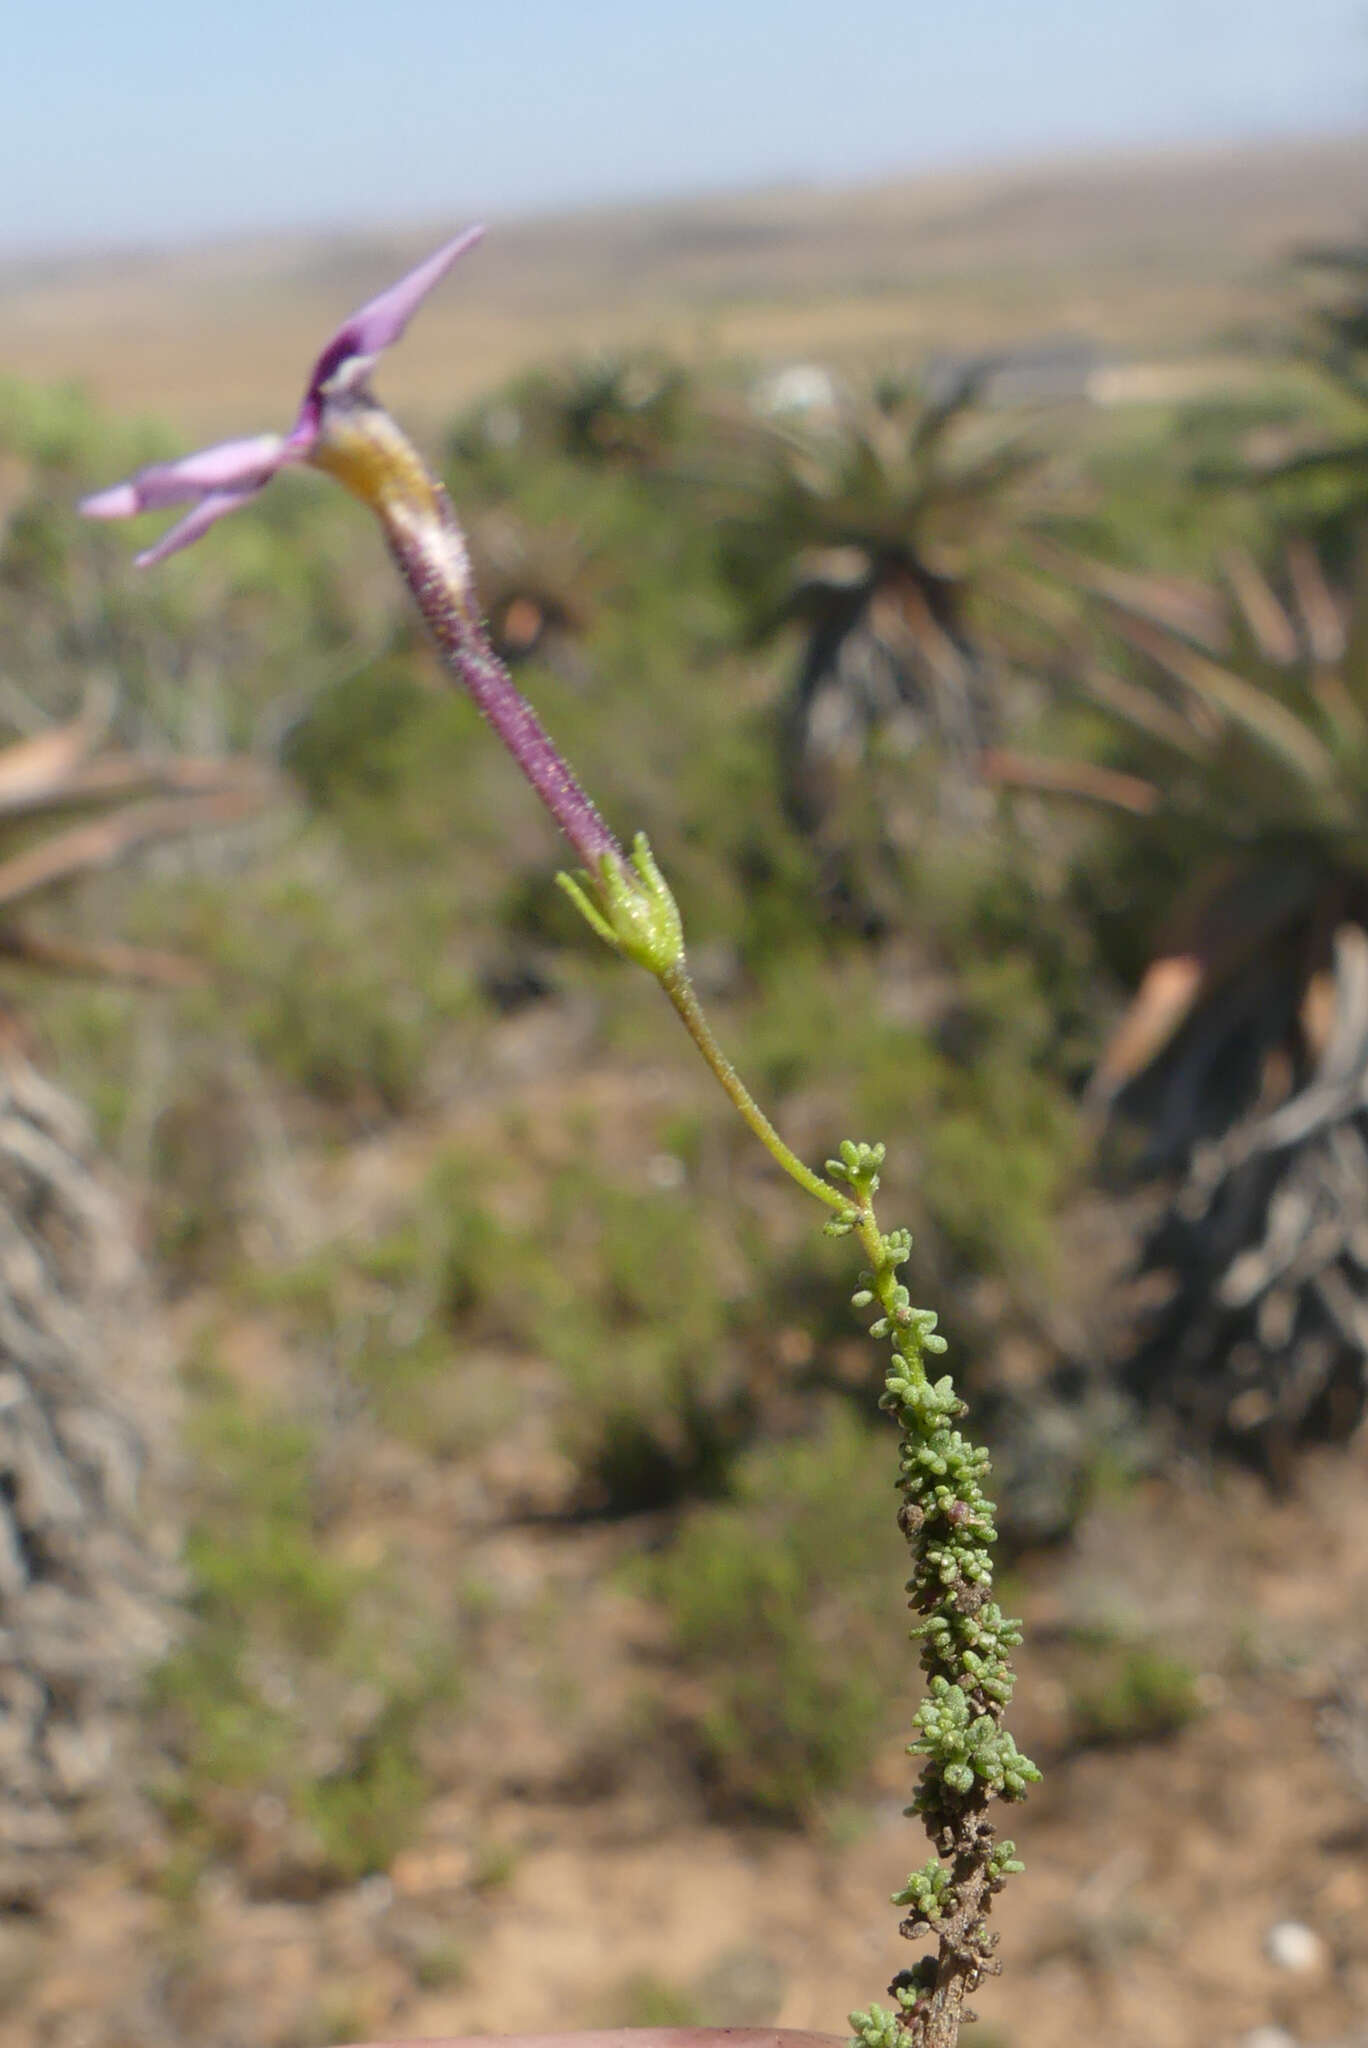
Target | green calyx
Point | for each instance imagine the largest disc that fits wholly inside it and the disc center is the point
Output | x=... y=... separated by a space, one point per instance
x=631 y=909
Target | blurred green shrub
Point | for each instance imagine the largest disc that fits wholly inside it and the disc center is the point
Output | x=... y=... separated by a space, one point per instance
x=292 y=1708
x=1134 y=1693
x=779 y=1601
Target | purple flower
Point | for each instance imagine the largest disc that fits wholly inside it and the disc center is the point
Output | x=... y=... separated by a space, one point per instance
x=342 y=429
x=219 y=479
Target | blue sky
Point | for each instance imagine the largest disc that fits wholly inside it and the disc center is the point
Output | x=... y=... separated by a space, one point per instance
x=124 y=121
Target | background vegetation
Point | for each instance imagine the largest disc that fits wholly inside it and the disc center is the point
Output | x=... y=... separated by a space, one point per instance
x=451 y=1234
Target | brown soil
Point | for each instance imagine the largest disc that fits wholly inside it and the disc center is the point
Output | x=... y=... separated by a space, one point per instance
x=562 y=1880
x=568 y=1871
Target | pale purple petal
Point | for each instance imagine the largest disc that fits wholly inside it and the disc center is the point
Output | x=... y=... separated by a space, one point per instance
x=381 y=321
x=120 y=501
x=231 y=465
x=210 y=509
x=227 y=475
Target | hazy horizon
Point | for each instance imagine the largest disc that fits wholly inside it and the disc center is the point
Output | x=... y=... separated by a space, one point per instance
x=1006 y=164
x=150 y=125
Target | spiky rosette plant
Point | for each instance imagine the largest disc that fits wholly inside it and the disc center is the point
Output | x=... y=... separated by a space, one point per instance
x=873 y=529
x=69 y=809
x=85 y=1583
x=621 y=407
x=1244 y=1054
x=1315 y=463
x=1334 y=345
x=615 y=409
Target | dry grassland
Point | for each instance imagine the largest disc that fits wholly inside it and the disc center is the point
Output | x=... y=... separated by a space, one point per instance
x=1165 y=255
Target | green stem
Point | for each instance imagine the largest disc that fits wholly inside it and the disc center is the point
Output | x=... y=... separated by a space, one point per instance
x=680 y=990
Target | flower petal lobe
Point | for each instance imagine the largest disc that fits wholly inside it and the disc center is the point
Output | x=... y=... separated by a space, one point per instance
x=380 y=322
x=211 y=508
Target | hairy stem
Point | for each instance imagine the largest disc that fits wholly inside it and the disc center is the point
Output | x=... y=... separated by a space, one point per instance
x=364 y=449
